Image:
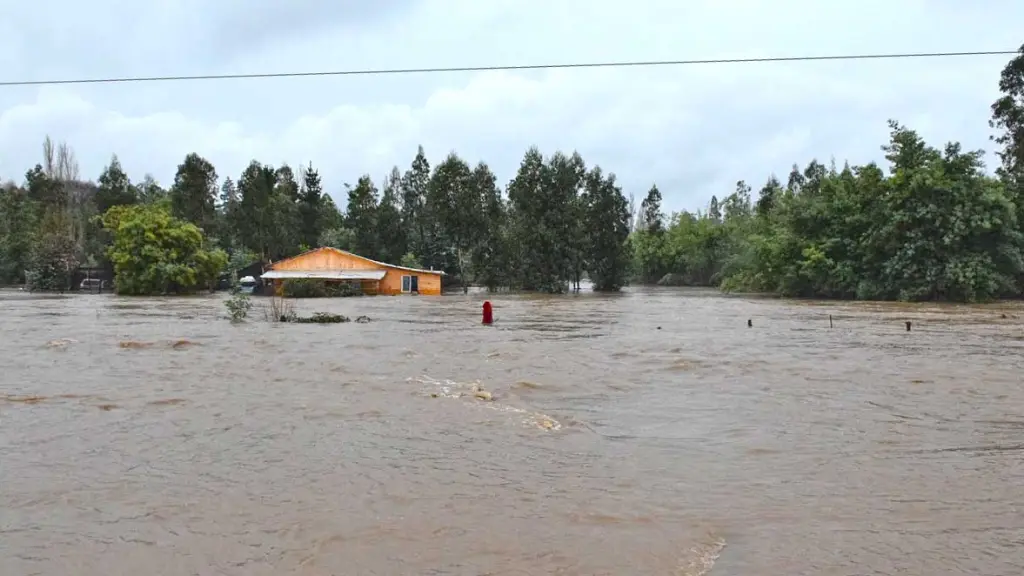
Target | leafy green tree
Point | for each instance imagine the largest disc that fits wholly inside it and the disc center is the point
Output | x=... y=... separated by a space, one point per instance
x=256 y=204
x=150 y=191
x=156 y=253
x=607 y=220
x=1008 y=118
x=310 y=207
x=490 y=257
x=55 y=257
x=542 y=198
x=714 y=210
x=18 y=232
x=569 y=173
x=410 y=260
x=414 y=186
x=361 y=216
x=452 y=195
x=341 y=238
x=391 y=229
x=769 y=195
x=331 y=217
x=115 y=188
x=193 y=195
x=285 y=214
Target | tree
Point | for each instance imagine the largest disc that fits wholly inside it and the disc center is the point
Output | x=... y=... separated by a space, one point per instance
x=542 y=198
x=18 y=231
x=490 y=256
x=607 y=220
x=150 y=191
x=193 y=195
x=452 y=196
x=714 y=210
x=256 y=218
x=768 y=196
x=414 y=199
x=285 y=236
x=340 y=238
x=55 y=257
x=310 y=207
x=331 y=217
x=1008 y=118
x=391 y=229
x=156 y=253
x=115 y=189
x=230 y=215
x=650 y=208
x=361 y=217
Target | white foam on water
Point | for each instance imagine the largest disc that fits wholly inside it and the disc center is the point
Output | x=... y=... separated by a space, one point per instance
x=469 y=392
x=701 y=558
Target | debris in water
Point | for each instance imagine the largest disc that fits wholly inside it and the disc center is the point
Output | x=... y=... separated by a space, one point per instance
x=317 y=318
x=167 y=402
x=133 y=345
x=23 y=399
x=107 y=407
x=363 y=320
x=60 y=343
x=179 y=344
x=480 y=394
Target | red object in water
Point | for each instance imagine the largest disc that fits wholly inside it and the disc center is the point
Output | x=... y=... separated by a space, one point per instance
x=488 y=313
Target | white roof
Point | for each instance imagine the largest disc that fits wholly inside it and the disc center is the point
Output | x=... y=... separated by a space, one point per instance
x=324 y=274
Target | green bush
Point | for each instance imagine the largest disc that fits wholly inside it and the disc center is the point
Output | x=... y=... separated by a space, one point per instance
x=303 y=288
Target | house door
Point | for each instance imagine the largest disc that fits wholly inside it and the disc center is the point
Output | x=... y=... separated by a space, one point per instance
x=414 y=284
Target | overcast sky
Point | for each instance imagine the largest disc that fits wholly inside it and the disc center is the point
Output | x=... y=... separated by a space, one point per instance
x=694 y=130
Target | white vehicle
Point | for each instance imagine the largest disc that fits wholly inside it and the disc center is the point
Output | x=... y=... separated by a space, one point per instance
x=247 y=284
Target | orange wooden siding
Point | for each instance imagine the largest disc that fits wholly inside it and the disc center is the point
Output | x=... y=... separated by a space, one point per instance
x=429 y=282
x=325 y=259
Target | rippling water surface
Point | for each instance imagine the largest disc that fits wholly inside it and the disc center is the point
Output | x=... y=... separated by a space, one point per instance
x=651 y=432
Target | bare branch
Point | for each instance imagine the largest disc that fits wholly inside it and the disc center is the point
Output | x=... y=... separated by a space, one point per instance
x=48 y=165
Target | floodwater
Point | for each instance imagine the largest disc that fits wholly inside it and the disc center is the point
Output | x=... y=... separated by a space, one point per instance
x=651 y=432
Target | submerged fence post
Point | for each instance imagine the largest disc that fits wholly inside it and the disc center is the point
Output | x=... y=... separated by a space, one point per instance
x=829 y=320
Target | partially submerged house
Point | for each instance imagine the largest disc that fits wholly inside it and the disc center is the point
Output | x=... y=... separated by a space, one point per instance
x=372 y=277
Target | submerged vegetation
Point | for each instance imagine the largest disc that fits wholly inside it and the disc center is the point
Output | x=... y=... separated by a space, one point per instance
x=238 y=304
x=932 y=225
x=311 y=288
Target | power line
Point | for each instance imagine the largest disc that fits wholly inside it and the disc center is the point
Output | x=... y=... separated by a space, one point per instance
x=439 y=70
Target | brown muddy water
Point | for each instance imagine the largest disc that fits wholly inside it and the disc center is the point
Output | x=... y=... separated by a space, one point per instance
x=151 y=436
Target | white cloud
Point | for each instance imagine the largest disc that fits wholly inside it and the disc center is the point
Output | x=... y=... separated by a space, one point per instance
x=694 y=130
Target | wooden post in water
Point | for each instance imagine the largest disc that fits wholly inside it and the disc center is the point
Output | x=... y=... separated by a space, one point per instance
x=830 y=321
x=908 y=325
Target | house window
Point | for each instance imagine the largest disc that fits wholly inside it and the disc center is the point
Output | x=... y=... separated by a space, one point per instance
x=411 y=284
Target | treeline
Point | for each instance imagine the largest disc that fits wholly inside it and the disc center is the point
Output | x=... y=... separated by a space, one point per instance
x=556 y=222
x=935 y=226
